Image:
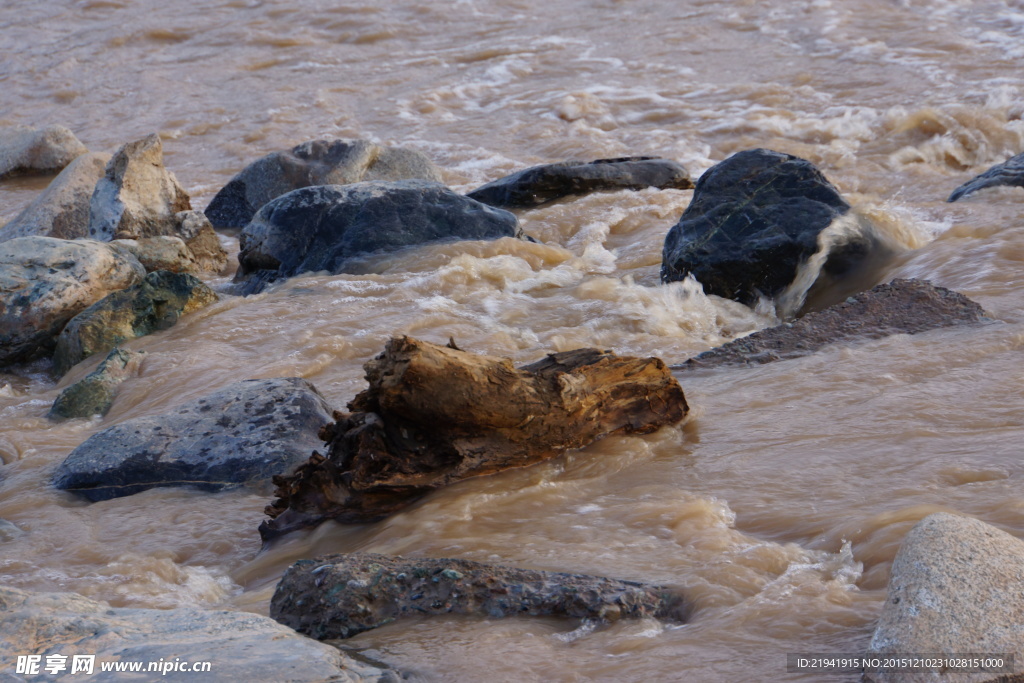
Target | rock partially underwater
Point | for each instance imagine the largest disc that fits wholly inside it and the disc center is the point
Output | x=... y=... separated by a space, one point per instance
x=541 y=184
x=955 y=589
x=94 y=394
x=317 y=162
x=45 y=282
x=28 y=151
x=244 y=433
x=764 y=223
x=323 y=228
x=338 y=596
x=1010 y=172
x=900 y=307
x=239 y=646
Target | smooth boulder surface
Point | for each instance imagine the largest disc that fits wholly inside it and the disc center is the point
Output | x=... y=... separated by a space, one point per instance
x=542 y=184
x=154 y=304
x=137 y=196
x=194 y=228
x=321 y=228
x=955 y=588
x=26 y=150
x=240 y=646
x=899 y=307
x=338 y=596
x=161 y=253
x=94 y=394
x=1010 y=172
x=317 y=162
x=244 y=433
x=44 y=282
x=755 y=220
x=62 y=210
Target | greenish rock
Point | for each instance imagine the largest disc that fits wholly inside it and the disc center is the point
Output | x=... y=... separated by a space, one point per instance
x=154 y=304
x=239 y=646
x=317 y=162
x=338 y=596
x=95 y=393
x=45 y=282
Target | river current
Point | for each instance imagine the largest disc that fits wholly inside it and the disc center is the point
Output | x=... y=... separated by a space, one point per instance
x=779 y=504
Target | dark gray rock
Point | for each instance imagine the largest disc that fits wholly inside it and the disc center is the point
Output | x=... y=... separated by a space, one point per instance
x=900 y=307
x=317 y=162
x=245 y=433
x=323 y=227
x=137 y=196
x=62 y=210
x=541 y=184
x=755 y=222
x=1010 y=172
x=154 y=304
x=25 y=150
x=44 y=282
x=239 y=645
x=95 y=393
x=338 y=596
x=955 y=588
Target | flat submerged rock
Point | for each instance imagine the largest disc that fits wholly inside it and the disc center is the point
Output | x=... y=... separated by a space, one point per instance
x=244 y=433
x=338 y=596
x=900 y=307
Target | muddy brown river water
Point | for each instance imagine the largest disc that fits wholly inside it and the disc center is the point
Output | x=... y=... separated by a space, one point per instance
x=780 y=503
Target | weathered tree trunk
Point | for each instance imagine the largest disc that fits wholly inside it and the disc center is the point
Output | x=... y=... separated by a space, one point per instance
x=434 y=415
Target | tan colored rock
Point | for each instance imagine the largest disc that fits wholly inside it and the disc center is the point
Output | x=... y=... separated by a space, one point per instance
x=44 y=282
x=957 y=587
x=62 y=210
x=161 y=253
x=198 y=233
x=26 y=150
x=137 y=197
x=240 y=646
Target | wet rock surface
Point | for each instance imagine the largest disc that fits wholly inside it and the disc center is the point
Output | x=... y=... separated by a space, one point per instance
x=1010 y=172
x=899 y=307
x=244 y=433
x=955 y=588
x=338 y=596
x=137 y=196
x=62 y=209
x=25 y=150
x=541 y=184
x=94 y=394
x=44 y=282
x=154 y=304
x=434 y=415
x=755 y=220
x=317 y=162
x=240 y=646
x=321 y=228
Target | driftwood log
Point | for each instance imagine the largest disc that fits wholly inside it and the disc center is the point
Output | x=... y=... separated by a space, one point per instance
x=434 y=415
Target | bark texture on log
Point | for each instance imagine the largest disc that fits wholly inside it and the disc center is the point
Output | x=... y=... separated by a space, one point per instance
x=434 y=415
x=339 y=596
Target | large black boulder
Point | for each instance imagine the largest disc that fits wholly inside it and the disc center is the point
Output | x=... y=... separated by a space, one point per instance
x=244 y=433
x=542 y=184
x=755 y=220
x=322 y=228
